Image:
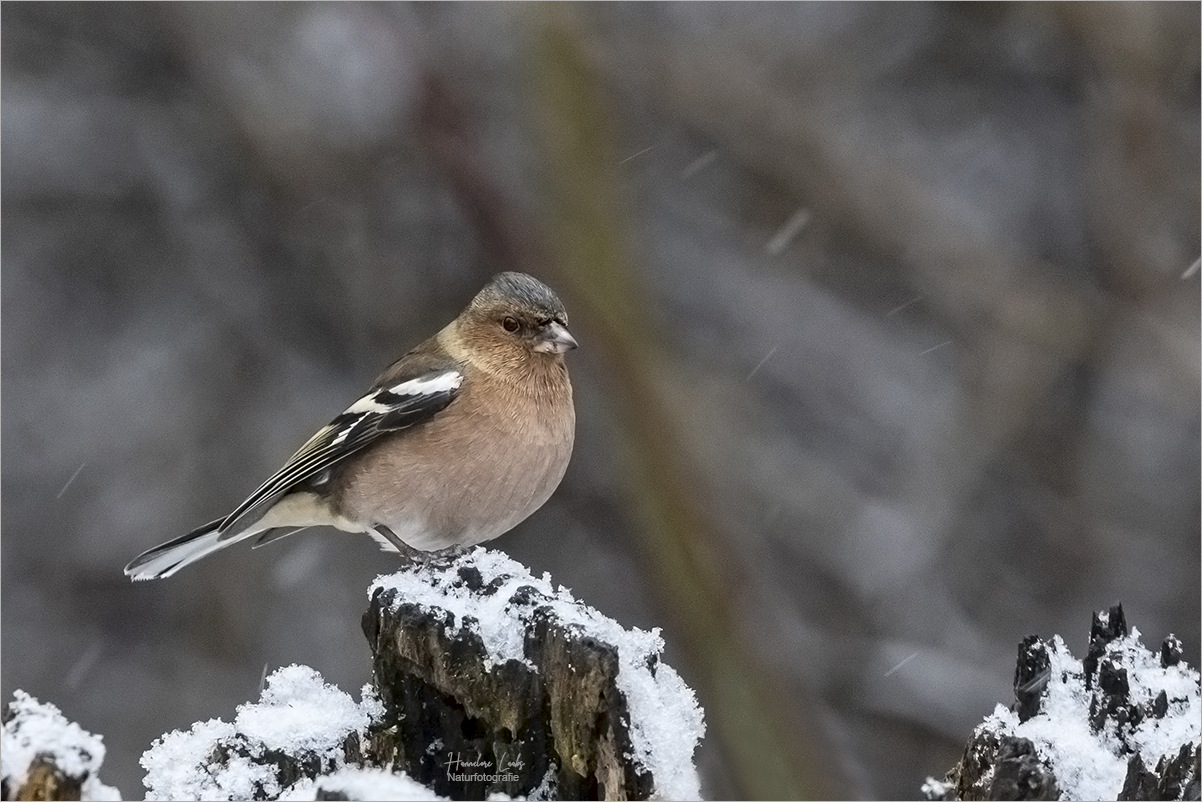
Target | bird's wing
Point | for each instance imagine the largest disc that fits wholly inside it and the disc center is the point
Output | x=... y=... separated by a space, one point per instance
x=385 y=409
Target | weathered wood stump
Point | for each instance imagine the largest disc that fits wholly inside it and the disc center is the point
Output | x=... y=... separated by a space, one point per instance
x=523 y=690
x=1120 y=724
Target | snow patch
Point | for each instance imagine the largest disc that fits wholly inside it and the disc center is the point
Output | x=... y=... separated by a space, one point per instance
x=1093 y=765
x=298 y=716
x=356 y=783
x=39 y=729
x=298 y=712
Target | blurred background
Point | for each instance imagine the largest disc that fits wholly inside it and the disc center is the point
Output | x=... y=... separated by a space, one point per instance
x=889 y=339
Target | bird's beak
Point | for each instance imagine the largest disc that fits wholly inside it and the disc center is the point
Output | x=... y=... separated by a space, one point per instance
x=554 y=339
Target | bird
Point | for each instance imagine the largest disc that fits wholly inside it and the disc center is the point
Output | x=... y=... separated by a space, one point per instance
x=454 y=444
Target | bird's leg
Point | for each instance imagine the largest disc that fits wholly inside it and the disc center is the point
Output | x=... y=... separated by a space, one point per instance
x=440 y=558
x=407 y=551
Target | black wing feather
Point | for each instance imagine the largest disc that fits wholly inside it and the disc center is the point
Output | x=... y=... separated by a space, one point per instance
x=379 y=412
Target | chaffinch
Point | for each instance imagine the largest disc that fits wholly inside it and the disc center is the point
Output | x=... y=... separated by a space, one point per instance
x=456 y=443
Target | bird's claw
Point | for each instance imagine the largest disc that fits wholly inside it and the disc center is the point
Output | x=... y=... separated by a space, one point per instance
x=443 y=558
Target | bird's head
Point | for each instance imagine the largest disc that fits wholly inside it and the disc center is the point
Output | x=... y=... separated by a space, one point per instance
x=515 y=321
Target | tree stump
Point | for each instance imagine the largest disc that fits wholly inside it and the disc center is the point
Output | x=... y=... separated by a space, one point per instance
x=522 y=690
x=1120 y=724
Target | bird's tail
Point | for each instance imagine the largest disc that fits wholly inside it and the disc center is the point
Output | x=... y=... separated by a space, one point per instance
x=167 y=558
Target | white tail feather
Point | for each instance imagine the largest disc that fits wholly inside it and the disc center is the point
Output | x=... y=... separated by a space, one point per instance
x=172 y=558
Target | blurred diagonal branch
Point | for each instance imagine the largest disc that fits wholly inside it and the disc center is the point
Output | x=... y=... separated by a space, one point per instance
x=772 y=754
x=445 y=133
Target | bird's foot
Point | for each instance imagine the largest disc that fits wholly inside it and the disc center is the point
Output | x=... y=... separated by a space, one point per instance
x=443 y=558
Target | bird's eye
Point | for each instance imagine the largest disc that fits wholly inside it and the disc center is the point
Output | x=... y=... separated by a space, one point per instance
x=510 y=324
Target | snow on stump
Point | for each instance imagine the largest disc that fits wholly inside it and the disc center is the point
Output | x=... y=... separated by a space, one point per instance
x=278 y=748
x=365 y=784
x=493 y=681
x=45 y=756
x=1124 y=723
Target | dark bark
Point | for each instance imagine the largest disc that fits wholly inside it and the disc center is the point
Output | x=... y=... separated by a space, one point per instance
x=557 y=720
